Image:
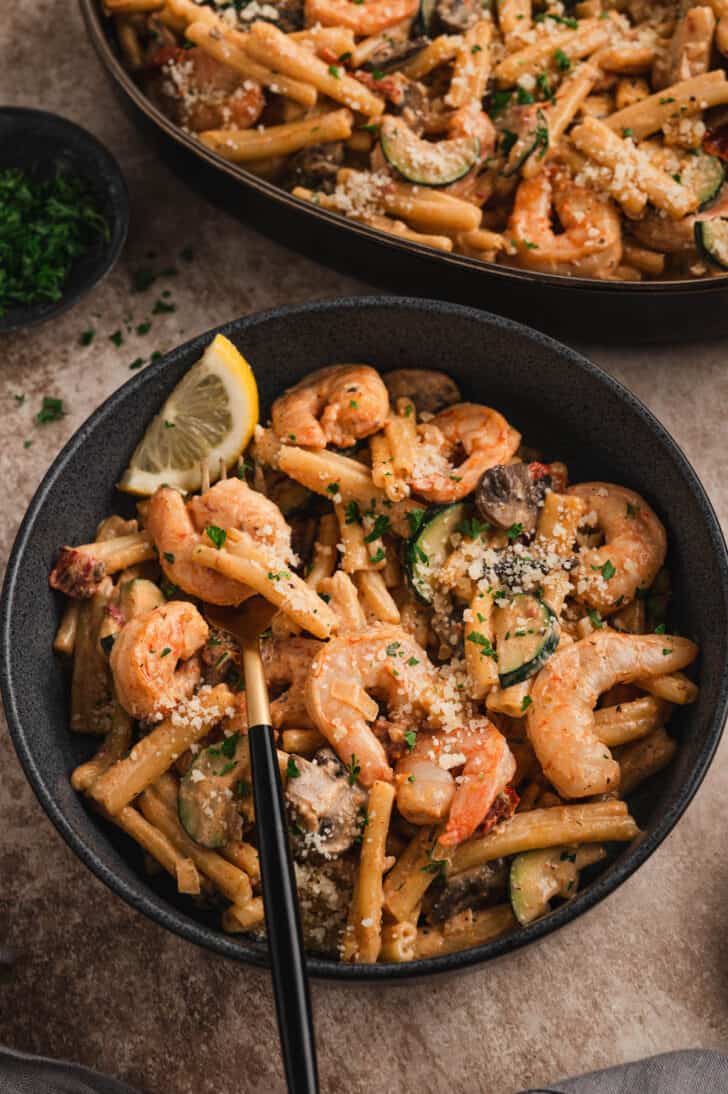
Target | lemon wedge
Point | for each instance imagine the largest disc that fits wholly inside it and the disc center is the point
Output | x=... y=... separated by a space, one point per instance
x=211 y=414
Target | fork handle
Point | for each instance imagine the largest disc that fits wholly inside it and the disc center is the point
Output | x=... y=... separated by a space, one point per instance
x=283 y=925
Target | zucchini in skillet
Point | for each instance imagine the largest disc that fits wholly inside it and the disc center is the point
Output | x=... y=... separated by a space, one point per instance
x=538 y=876
x=711 y=237
x=207 y=795
x=526 y=634
x=430 y=546
x=424 y=162
x=704 y=175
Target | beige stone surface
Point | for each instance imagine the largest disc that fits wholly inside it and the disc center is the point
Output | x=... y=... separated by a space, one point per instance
x=94 y=981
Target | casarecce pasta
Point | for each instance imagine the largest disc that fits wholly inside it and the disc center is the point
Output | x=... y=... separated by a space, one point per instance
x=580 y=140
x=470 y=668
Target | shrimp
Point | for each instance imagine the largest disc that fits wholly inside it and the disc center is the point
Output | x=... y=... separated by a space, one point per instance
x=153 y=659
x=634 y=546
x=287 y=662
x=337 y=405
x=561 y=720
x=480 y=432
x=591 y=242
x=364 y=19
x=200 y=92
x=383 y=660
x=427 y=792
x=428 y=389
x=176 y=529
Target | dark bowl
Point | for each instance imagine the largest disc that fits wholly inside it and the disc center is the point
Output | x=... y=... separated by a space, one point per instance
x=562 y=403
x=577 y=307
x=32 y=139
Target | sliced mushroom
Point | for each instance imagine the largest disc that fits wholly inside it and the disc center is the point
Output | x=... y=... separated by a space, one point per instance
x=475 y=888
x=391 y=53
x=325 y=807
x=414 y=105
x=457 y=16
x=508 y=496
x=429 y=390
x=315 y=167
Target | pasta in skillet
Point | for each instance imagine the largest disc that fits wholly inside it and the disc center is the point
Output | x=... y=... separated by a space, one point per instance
x=470 y=668
x=581 y=140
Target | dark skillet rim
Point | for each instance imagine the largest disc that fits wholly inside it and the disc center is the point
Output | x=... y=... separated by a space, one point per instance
x=167 y=916
x=107 y=56
x=24 y=317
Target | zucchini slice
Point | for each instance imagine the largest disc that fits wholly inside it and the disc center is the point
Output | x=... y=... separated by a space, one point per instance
x=430 y=546
x=424 y=162
x=427 y=17
x=537 y=877
x=526 y=634
x=711 y=237
x=704 y=175
x=206 y=801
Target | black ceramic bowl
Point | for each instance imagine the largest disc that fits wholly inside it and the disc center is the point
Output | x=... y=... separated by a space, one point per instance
x=562 y=404
x=578 y=307
x=34 y=139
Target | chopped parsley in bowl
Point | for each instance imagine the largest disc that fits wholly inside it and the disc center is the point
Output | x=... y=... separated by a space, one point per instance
x=64 y=214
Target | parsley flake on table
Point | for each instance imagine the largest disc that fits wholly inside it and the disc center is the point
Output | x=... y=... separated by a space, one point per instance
x=51 y=410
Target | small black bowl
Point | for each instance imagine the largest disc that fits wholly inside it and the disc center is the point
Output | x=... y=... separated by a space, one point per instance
x=563 y=404
x=35 y=139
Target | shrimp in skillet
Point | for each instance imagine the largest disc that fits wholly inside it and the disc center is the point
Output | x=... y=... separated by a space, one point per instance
x=176 y=529
x=427 y=791
x=338 y=405
x=153 y=660
x=479 y=433
x=564 y=694
x=633 y=551
x=589 y=246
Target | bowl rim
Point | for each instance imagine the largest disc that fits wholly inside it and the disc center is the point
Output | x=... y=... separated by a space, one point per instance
x=35 y=314
x=93 y=19
x=155 y=907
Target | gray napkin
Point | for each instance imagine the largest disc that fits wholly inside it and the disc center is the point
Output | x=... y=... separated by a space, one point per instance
x=692 y=1072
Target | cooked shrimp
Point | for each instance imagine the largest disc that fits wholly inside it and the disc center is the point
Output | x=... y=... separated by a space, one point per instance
x=176 y=529
x=591 y=242
x=481 y=433
x=427 y=792
x=337 y=405
x=382 y=661
x=200 y=92
x=428 y=389
x=153 y=659
x=565 y=692
x=364 y=19
x=633 y=551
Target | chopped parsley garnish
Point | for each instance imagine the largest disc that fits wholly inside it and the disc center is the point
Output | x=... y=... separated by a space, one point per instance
x=632 y=510
x=409 y=739
x=660 y=628
x=168 y=556
x=507 y=139
x=378 y=74
x=137 y=362
x=243 y=466
x=353 y=404
x=392 y=650
x=524 y=98
x=217 y=536
x=144 y=328
x=19 y=399
x=169 y=425
x=87 y=337
x=526 y=702
x=117 y=338
x=563 y=62
x=162 y=307
x=378 y=557
x=412 y=661
x=415 y=518
x=353 y=768
x=542 y=134
x=499 y=100
x=472 y=527
x=437 y=866
x=45 y=225
x=595 y=619
x=667 y=99
x=487 y=649
x=332 y=488
x=335 y=72
x=51 y=410
x=666 y=653
x=381 y=525
x=608 y=570
x=292 y=769
x=165 y=651
x=143 y=279
x=544 y=85
x=514 y=531
x=627 y=132
x=352 y=514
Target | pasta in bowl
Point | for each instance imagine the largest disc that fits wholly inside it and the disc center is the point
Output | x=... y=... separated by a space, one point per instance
x=450 y=611
x=562 y=405
x=587 y=144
